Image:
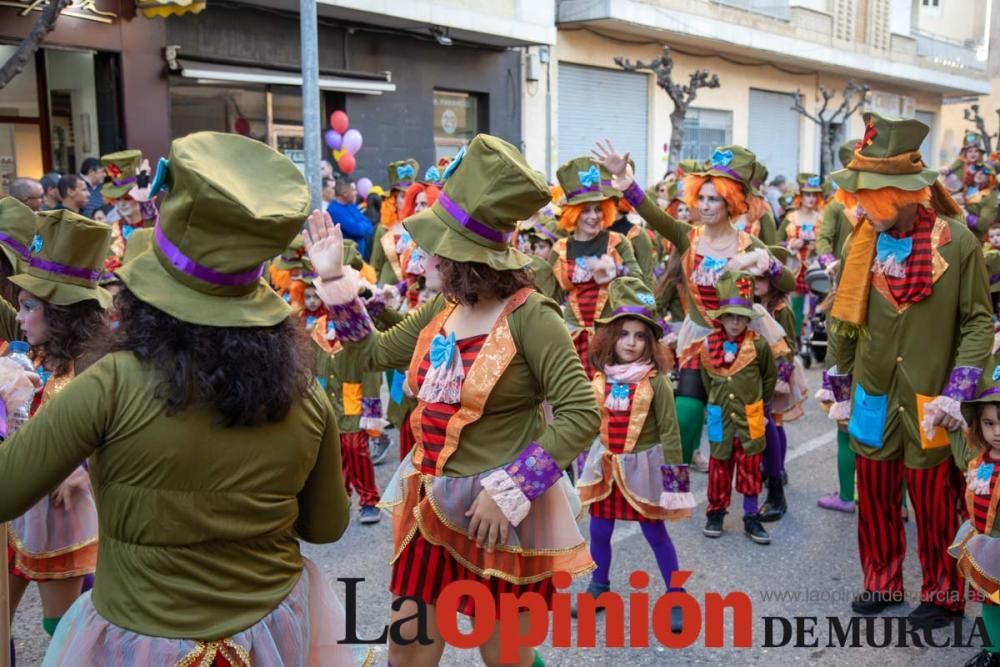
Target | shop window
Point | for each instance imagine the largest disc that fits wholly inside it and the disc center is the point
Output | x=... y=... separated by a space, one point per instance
x=20 y=125
x=704 y=130
x=458 y=117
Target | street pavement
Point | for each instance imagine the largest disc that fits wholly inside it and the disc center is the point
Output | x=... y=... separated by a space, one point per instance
x=811 y=569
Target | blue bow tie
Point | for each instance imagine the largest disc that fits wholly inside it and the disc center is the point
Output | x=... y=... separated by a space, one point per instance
x=720 y=157
x=808 y=226
x=714 y=263
x=310 y=322
x=741 y=226
x=404 y=171
x=443 y=350
x=889 y=246
x=984 y=472
x=127 y=231
x=619 y=391
x=591 y=177
x=729 y=347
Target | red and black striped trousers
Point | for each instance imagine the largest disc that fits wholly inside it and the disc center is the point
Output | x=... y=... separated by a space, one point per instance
x=882 y=540
x=359 y=473
x=720 y=477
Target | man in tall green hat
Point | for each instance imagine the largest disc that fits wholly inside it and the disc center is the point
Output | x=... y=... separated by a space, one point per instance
x=126 y=185
x=911 y=330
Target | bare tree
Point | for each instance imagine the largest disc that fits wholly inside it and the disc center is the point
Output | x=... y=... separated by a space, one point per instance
x=972 y=115
x=682 y=96
x=26 y=49
x=854 y=95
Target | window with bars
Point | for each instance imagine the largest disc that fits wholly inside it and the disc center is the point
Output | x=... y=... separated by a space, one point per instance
x=704 y=131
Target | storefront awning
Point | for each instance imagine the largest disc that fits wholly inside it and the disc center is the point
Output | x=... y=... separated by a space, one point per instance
x=164 y=8
x=213 y=73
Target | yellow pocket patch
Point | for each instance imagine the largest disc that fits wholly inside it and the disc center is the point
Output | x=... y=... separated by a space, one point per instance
x=755 y=419
x=351 y=392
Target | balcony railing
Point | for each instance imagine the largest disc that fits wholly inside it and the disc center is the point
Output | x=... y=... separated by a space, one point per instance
x=945 y=52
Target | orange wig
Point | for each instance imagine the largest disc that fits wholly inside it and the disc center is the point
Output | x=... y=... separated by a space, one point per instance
x=296 y=293
x=757 y=208
x=884 y=203
x=730 y=191
x=388 y=215
x=410 y=202
x=571 y=212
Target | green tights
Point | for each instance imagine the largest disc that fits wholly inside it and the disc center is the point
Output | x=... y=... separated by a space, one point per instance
x=691 y=417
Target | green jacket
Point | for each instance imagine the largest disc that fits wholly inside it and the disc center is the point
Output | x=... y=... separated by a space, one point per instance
x=545 y=280
x=199 y=524
x=740 y=393
x=833 y=230
x=645 y=253
x=380 y=262
x=914 y=351
x=340 y=375
x=544 y=366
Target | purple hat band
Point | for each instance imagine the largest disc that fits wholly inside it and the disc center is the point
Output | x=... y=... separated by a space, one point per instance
x=743 y=303
x=992 y=391
x=185 y=264
x=64 y=269
x=587 y=190
x=126 y=181
x=632 y=310
x=470 y=223
x=994 y=279
x=726 y=170
x=14 y=245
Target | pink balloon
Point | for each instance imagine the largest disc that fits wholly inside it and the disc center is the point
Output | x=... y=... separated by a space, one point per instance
x=339 y=121
x=347 y=163
x=352 y=141
x=364 y=186
x=333 y=139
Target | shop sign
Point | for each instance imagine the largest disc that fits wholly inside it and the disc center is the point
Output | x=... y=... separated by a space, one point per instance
x=78 y=9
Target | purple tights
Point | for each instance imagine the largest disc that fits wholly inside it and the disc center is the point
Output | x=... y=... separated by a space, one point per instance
x=656 y=536
x=774 y=451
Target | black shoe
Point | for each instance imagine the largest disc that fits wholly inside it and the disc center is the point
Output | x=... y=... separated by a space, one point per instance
x=985 y=659
x=784 y=477
x=930 y=615
x=754 y=529
x=594 y=589
x=870 y=603
x=713 y=526
x=775 y=506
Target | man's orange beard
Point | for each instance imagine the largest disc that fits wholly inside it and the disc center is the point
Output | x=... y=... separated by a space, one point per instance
x=884 y=204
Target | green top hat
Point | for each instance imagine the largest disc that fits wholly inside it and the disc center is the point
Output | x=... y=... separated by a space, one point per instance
x=17 y=227
x=887 y=156
x=489 y=188
x=789 y=259
x=733 y=162
x=973 y=139
x=629 y=297
x=735 y=290
x=584 y=182
x=122 y=174
x=758 y=178
x=691 y=167
x=993 y=268
x=403 y=174
x=292 y=256
x=987 y=391
x=846 y=151
x=139 y=242
x=233 y=203
x=67 y=259
x=809 y=183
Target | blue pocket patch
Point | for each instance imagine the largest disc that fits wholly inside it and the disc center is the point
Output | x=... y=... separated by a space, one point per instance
x=715 y=426
x=868 y=417
x=396 y=390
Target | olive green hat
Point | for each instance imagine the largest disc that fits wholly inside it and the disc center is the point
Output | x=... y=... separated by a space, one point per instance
x=733 y=162
x=993 y=268
x=17 y=227
x=122 y=175
x=67 y=259
x=629 y=297
x=686 y=167
x=735 y=290
x=973 y=139
x=403 y=174
x=887 y=156
x=585 y=182
x=846 y=151
x=788 y=259
x=292 y=256
x=987 y=391
x=139 y=242
x=232 y=204
x=809 y=183
x=758 y=178
x=489 y=188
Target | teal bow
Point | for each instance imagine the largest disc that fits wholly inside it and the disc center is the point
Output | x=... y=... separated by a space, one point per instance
x=404 y=171
x=36 y=244
x=715 y=264
x=619 y=391
x=127 y=231
x=646 y=298
x=443 y=350
x=310 y=321
x=159 y=183
x=405 y=237
x=591 y=177
x=433 y=175
x=996 y=374
x=813 y=182
x=449 y=170
x=729 y=347
x=808 y=227
x=721 y=157
x=984 y=473
x=889 y=246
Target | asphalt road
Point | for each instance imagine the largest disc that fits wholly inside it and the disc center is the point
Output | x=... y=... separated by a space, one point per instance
x=810 y=570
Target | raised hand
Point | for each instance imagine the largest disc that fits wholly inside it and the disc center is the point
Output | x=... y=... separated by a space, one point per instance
x=617 y=164
x=325 y=244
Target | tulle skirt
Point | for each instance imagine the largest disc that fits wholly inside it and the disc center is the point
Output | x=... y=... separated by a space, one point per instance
x=788 y=405
x=302 y=630
x=978 y=558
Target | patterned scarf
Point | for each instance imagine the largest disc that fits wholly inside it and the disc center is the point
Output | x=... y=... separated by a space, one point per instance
x=722 y=350
x=915 y=283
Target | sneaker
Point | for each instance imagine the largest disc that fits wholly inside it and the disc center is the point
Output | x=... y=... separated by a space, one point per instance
x=984 y=659
x=370 y=514
x=378 y=448
x=594 y=589
x=833 y=502
x=930 y=615
x=699 y=462
x=713 y=526
x=754 y=529
x=870 y=603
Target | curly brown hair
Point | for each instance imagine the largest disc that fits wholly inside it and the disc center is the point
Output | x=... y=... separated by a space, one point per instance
x=8 y=290
x=73 y=329
x=466 y=283
x=251 y=375
x=602 y=346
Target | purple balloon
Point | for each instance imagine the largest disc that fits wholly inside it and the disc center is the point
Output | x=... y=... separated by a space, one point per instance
x=352 y=141
x=334 y=140
x=364 y=186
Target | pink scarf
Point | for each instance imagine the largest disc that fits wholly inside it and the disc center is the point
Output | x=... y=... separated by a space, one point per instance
x=624 y=374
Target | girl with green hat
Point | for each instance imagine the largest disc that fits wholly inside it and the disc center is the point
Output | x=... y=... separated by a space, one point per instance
x=482 y=497
x=212 y=450
x=391 y=239
x=798 y=233
x=586 y=261
x=707 y=250
x=634 y=471
x=126 y=186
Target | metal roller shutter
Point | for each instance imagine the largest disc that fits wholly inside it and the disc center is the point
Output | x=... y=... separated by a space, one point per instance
x=774 y=132
x=597 y=103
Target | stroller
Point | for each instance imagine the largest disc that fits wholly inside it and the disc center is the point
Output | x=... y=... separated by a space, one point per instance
x=813 y=341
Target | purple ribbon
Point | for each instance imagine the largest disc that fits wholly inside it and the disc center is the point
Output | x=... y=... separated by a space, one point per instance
x=726 y=170
x=402 y=185
x=127 y=181
x=64 y=269
x=14 y=245
x=585 y=190
x=632 y=310
x=994 y=279
x=185 y=264
x=470 y=223
x=735 y=302
x=992 y=391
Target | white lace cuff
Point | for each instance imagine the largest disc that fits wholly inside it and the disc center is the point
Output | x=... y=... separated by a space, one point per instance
x=507 y=495
x=840 y=411
x=942 y=405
